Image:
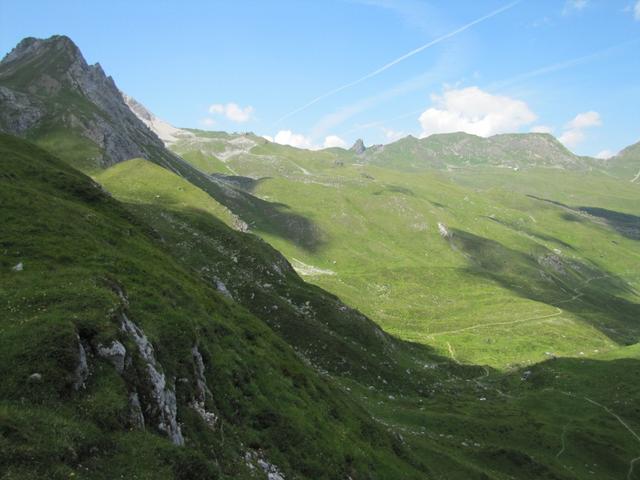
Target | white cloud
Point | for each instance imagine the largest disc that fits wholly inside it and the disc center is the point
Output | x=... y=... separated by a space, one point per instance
x=209 y=122
x=232 y=111
x=605 y=154
x=574 y=5
x=392 y=135
x=298 y=140
x=574 y=129
x=571 y=138
x=636 y=10
x=333 y=141
x=474 y=111
x=287 y=137
x=584 y=120
x=541 y=129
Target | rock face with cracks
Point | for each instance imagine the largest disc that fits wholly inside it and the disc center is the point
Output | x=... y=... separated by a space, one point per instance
x=115 y=353
x=162 y=403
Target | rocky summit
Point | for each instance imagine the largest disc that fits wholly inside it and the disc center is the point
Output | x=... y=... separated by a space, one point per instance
x=47 y=85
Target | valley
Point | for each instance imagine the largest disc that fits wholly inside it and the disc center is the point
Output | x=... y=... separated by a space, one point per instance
x=451 y=307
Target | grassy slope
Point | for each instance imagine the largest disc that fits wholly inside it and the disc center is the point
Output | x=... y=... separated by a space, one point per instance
x=379 y=231
x=373 y=223
x=482 y=424
x=128 y=179
x=75 y=244
x=391 y=262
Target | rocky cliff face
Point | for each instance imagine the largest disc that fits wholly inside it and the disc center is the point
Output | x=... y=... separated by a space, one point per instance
x=47 y=85
x=164 y=130
x=358 y=147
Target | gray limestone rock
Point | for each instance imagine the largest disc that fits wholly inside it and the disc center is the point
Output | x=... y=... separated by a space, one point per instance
x=114 y=353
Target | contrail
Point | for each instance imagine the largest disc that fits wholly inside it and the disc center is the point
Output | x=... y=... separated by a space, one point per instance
x=400 y=59
x=563 y=65
x=497 y=86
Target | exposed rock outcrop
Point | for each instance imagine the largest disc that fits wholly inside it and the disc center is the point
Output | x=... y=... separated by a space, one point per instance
x=358 y=147
x=202 y=391
x=161 y=403
x=443 y=230
x=57 y=72
x=164 y=130
x=82 y=370
x=115 y=353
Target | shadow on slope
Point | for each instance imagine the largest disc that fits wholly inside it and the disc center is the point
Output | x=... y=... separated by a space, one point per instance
x=328 y=334
x=267 y=217
x=625 y=224
x=528 y=231
x=546 y=277
x=563 y=414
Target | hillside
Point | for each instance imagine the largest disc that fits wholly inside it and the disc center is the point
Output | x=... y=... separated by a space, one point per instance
x=114 y=355
x=465 y=414
x=627 y=163
x=51 y=96
x=384 y=252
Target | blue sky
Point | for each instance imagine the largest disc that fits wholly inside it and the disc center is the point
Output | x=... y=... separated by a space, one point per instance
x=312 y=72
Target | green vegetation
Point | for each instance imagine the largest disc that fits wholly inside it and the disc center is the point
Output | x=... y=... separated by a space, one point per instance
x=78 y=249
x=522 y=247
x=462 y=422
x=498 y=281
x=473 y=422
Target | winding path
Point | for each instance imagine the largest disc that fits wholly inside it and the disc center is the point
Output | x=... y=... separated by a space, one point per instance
x=625 y=425
x=451 y=352
x=558 y=312
x=562 y=439
x=633 y=461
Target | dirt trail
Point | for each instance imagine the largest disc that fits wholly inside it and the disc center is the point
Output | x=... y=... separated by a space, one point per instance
x=558 y=312
x=622 y=422
x=633 y=461
x=451 y=352
x=631 y=465
x=625 y=425
x=562 y=439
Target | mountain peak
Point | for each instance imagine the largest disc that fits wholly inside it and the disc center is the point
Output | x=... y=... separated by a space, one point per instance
x=358 y=147
x=32 y=47
x=47 y=84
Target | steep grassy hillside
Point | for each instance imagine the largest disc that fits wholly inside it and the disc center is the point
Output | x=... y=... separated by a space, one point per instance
x=330 y=335
x=117 y=360
x=464 y=422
